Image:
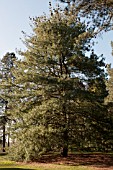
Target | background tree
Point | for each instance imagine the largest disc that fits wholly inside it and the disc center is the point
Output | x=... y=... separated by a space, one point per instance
x=109 y=100
x=110 y=81
x=3 y=121
x=6 y=77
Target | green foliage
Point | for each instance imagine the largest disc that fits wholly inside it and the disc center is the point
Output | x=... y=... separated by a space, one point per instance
x=29 y=145
x=7 y=63
x=99 y=13
x=58 y=90
x=109 y=105
x=109 y=83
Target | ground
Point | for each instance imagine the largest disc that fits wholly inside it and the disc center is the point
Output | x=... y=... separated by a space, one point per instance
x=81 y=161
x=97 y=161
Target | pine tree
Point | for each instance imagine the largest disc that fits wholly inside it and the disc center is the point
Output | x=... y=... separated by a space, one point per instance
x=109 y=98
x=99 y=12
x=5 y=78
x=109 y=103
x=52 y=97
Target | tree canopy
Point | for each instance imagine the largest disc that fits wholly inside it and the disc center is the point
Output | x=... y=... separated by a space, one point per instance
x=55 y=95
x=58 y=92
x=99 y=11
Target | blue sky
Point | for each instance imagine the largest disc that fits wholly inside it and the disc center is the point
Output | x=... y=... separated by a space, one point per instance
x=14 y=18
x=104 y=46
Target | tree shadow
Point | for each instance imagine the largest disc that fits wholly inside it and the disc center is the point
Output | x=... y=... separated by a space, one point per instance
x=96 y=160
x=14 y=169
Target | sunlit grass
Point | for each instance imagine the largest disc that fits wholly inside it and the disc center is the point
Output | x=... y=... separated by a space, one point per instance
x=40 y=167
x=6 y=164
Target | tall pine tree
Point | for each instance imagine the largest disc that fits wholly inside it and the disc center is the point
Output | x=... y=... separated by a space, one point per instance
x=55 y=86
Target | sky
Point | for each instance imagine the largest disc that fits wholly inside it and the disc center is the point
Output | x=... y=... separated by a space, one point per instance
x=14 y=18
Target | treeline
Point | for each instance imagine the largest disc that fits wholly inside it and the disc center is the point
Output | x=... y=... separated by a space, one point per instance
x=58 y=97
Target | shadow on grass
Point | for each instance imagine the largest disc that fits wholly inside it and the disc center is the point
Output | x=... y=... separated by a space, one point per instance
x=14 y=169
x=3 y=153
x=97 y=160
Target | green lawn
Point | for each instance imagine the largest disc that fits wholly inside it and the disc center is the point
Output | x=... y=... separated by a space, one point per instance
x=14 y=166
x=89 y=160
x=10 y=165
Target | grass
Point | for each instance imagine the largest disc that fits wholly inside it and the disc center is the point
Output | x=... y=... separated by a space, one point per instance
x=77 y=161
x=14 y=166
x=5 y=164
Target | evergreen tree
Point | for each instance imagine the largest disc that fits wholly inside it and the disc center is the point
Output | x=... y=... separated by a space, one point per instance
x=6 y=78
x=109 y=98
x=99 y=11
x=55 y=86
x=109 y=103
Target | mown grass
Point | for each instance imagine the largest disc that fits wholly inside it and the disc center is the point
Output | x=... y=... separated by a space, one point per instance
x=6 y=164
x=78 y=161
x=9 y=166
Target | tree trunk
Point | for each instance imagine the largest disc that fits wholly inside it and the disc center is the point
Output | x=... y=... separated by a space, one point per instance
x=8 y=143
x=3 y=138
x=65 y=151
x=65 y=144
